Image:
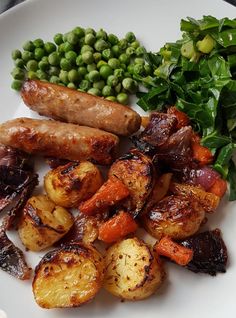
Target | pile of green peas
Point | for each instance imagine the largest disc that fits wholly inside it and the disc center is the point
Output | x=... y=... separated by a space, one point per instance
x=84 y=59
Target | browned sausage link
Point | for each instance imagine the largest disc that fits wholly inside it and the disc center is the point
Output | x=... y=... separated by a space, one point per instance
x=65 y=104
x=57 y=139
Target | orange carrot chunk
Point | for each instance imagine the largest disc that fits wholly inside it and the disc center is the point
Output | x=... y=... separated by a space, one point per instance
x=117 y=227
x=182 y=118
x=201 y=154
x=219 y=187
x=176 y=252
x=111 y=192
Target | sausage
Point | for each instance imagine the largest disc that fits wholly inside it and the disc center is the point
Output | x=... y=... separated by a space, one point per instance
x=65 y=104
x=61 y=140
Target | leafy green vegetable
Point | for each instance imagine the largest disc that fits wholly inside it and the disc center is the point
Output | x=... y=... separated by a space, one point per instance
x=197 y=73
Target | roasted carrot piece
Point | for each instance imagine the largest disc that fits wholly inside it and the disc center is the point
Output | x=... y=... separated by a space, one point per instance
x=117 y=227
x=111 y=192
x=201 y=154
x=182 y=118
x=176 y=252
x=219 y=187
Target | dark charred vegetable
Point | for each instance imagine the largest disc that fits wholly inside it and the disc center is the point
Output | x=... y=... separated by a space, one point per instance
x=209 y=252
x=12 y=259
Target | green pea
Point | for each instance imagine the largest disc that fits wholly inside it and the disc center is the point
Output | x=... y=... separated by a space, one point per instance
x=123 y=66
x=124 y=58
x=32 y=65
x=16 y=54
x=61 y=48
x=71 y=56
x=45 y=59
x=67 y=47
x=58 y=38
x=130 y=85
x=123 y=44
x=53 y=70
x=139 y=69
x=119 y=73
x=94 y=76
x=101 y=63
x=79 y=31
x=54 y=79
x=91 y=67
x=112 y=81
x=122 y=98
x=139 y=60
x=65 y=64
x=86 y=48
x=28 y=46
x=130 y=37
x=89 y=39
x=54 y=59
x=100 y=45
x=19 y=63
x=114 y=63
x=107 y=91
x=39 y=53
x=32 y=75
x=105 y=71
x=116 y=50
x=81 y=41
x=94 y=91
x=79 y=60
x=16 y=85
x=18 y=74
x=84 y=85
x=111 y=98
x=140 y=51
x=38 y=43
x=107 y=54
x=50 y=47
x=86 y=77
x=82 y=70
x=97 y=56
x=130 y=51
x=87 y=57
x=26 y=56
x=118 y=88
x=101 y=34
x=71 y=85
x=72 y=38
x=43 y=65
x=90 y=30
x=63 y=75
x=99 y=84
x=113 y=39
x=130 y=69
x=73 y=76
x=135 y=44
x=41 y=75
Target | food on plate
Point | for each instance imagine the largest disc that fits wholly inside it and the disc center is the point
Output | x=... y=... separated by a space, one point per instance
x=43 y=223
x=68 y=277
x=176 y=252
x=111 y=192
x=117 y=227
x=92 y=61
x=137 y=172
x=132 y=271
x=177 y=216
x=72 y=183
x=56 y=139
x=12 y=259
x=209 y=252
x=62 y=103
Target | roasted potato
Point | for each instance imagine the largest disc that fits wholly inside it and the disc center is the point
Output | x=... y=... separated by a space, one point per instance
x=68 y=277
x=72 y=183
x=132 y=272
x=209 y=201
x=174 y=216
x=43 y=223
x=137 y=172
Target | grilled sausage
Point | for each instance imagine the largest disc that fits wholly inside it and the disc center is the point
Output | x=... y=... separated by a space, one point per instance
x=56 y=139
x=62 y=103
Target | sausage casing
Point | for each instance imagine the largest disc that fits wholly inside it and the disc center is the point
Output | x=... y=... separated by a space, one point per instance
x=62 y=103
x=61 y=140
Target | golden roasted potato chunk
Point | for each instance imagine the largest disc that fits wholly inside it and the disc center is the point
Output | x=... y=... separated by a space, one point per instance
x=137 y=172
x=132 y=272
x=174 y=216
x=72 y=183
x=43 y=223
x=68 y=277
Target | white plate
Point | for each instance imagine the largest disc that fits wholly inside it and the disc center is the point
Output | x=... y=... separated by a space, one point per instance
x=155 y=22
